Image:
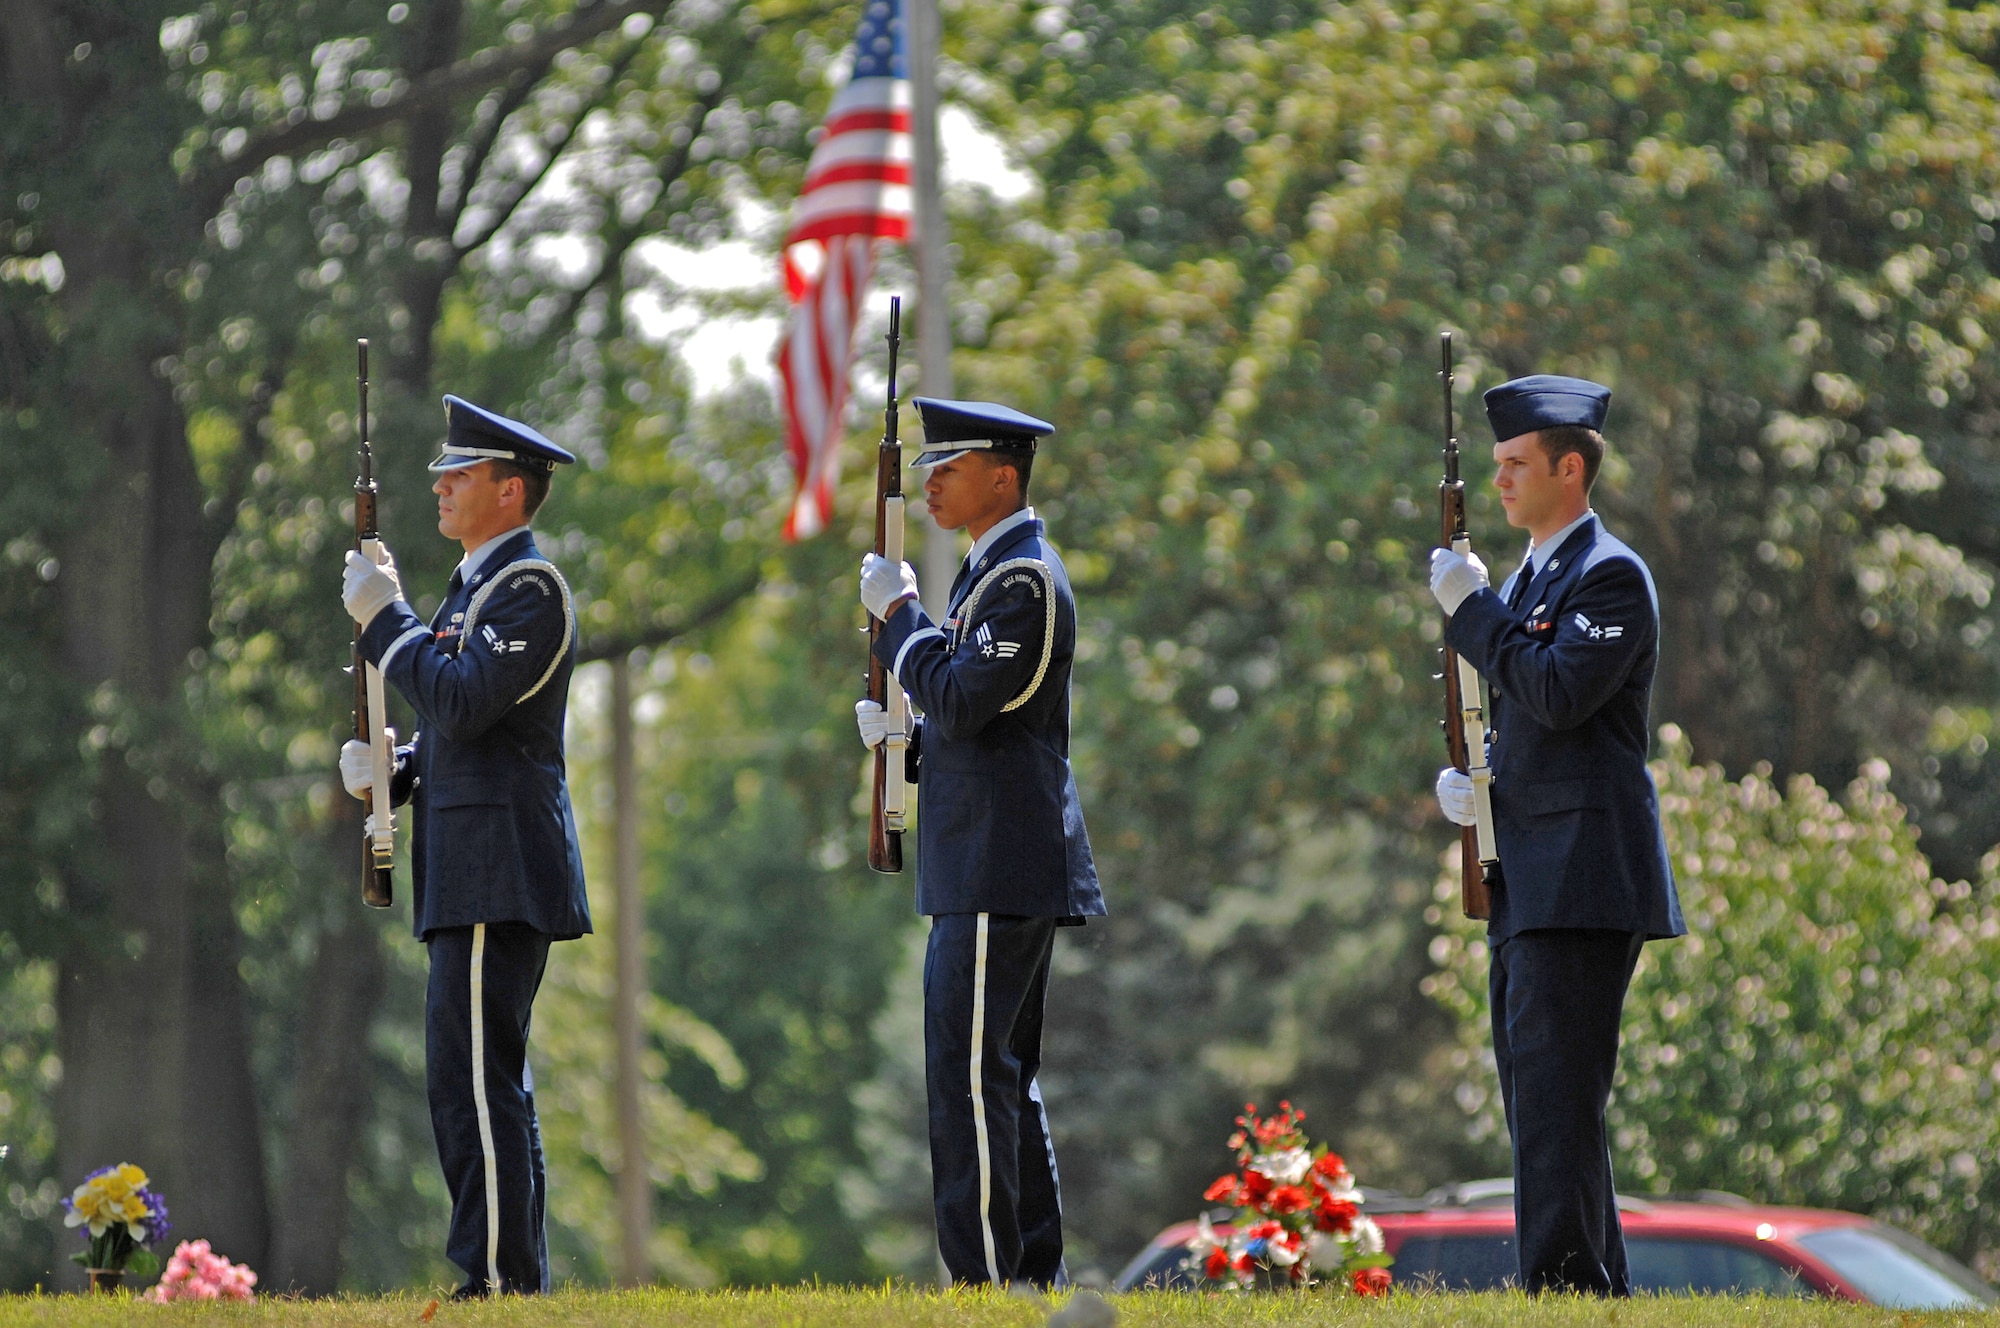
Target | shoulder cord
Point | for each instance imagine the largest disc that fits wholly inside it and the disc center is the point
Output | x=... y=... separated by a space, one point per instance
x=971 y=606
x=569 y=616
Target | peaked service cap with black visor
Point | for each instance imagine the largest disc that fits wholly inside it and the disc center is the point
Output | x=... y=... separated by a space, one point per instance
x=953 y=428
x=1545 y=401
x=474 y=434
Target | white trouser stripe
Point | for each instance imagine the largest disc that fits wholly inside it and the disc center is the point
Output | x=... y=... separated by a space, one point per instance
x=479 y=1102
x=979 y=1101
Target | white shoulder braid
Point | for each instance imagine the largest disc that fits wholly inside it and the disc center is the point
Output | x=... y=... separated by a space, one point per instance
x=1044 y=585
x=510 y=575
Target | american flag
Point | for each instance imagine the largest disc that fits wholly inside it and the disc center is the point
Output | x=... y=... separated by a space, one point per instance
x=856 y=191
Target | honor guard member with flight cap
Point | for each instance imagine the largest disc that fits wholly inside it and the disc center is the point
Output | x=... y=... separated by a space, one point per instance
x=1002 y=858
x=1567 y=647
x=497 y=873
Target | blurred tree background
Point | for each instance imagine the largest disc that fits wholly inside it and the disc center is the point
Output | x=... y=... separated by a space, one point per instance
x=1769 y=226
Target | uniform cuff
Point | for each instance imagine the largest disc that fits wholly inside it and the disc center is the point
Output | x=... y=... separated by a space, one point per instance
x=387 y=628
x=413 y=634
x=896 y=669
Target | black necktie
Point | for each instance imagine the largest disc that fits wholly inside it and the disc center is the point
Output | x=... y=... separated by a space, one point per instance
x=1521 y=580
x=450 y=593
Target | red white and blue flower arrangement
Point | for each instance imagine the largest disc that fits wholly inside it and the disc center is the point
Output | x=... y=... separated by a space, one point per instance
x=1298 y=1219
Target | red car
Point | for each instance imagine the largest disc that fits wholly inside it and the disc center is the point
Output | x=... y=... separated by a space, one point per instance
x=1461 y=1238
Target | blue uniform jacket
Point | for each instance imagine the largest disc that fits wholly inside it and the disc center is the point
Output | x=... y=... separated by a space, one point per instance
x=495 y=837
x=1574 y=808
x=1000 y=828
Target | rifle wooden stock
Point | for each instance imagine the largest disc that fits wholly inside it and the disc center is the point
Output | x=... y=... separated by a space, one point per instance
x=1464 y=718
x=378 y=842
x=886 y=815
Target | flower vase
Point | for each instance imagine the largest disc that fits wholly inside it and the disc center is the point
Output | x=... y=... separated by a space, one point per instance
x=105 y=1280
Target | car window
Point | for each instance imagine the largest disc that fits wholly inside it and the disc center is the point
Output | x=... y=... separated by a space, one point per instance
x=1683 y=1266
x=1889 y=1272
x=1458 y=1263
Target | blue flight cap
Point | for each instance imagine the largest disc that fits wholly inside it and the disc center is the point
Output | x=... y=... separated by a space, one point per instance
x=474 y=434
x=953 y=428
x=1544 y=401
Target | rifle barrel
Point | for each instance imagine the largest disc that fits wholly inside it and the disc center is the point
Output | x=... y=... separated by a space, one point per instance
x=885 y=817
x=377 y=876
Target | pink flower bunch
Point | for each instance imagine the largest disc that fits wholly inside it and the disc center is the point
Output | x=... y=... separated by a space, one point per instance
x=199 y=1273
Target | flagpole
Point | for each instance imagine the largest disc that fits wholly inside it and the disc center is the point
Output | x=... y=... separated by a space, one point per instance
x=635 y=1182
x=940 y=555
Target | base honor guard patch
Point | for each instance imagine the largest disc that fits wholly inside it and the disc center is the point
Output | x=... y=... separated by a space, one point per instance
x=1027 y=578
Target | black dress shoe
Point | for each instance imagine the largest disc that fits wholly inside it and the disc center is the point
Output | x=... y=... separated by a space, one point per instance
x=471 y=1291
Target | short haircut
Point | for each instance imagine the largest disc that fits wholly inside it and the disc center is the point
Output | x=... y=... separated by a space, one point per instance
x=1022 y=460
x=1560 y=440
x=534 y=483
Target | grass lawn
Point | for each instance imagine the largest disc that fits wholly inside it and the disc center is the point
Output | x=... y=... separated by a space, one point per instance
x=806 y=1307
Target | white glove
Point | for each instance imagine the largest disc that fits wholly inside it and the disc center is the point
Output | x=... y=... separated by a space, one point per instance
x=1454 y=790
x=1455 y=578
x=885 y=584
x=367 y=589
x=873 y=721
x=357 y=768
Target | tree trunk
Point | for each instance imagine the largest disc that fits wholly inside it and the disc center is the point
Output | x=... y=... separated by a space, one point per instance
x=332 y=1093
x=153 y=1029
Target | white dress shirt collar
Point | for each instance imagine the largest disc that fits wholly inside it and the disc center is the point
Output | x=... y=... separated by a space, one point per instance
x=984 y=544
x=469 y=565
x=1541 y=553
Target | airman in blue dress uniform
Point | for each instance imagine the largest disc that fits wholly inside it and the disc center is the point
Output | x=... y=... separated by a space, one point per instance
x=497 y=872
x=1568 y=647
x=1003 y=859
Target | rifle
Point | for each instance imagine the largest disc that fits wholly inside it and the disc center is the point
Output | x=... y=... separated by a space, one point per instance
x=886 y=816
x=378 y=838
x=1464 y=720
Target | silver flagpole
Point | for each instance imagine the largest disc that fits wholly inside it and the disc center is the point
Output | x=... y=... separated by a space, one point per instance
x=635 y=1182
x=940 y=552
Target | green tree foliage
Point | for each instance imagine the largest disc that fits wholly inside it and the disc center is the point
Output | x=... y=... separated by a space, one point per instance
x=1769 y=228
x=1825 y=1034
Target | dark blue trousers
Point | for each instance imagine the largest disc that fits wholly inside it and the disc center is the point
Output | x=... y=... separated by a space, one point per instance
x=993 y=1167
x=482 y=993
x=1557 y=995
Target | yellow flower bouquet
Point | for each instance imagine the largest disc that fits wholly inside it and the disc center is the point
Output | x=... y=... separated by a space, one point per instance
x=121 y=1214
